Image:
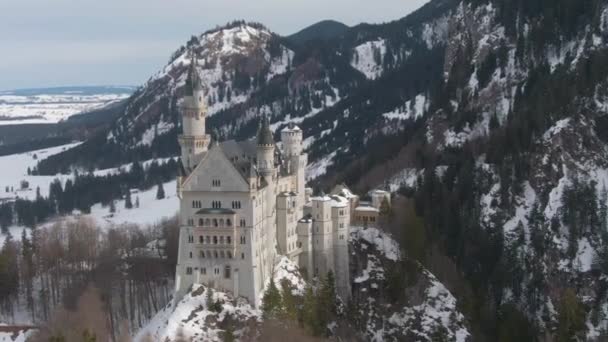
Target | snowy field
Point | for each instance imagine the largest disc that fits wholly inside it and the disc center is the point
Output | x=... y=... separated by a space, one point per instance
x=13 y=170
x=34 y=108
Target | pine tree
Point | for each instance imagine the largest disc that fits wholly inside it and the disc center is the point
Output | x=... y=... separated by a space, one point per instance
x=571 y=316
x=290 y=308
x=128 y=203
x=309 y=312
x=272 y=302
x=160 y=192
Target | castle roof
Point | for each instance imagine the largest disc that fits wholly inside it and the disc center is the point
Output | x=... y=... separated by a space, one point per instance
x=291 y=128
x=265 y=136
x=193 y=81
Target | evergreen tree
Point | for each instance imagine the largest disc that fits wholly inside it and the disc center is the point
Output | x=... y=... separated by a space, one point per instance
x=571 y=317
x=160 y=192
x=128 y=203
x=290 y=307
x=309 y=313
x=272 y=302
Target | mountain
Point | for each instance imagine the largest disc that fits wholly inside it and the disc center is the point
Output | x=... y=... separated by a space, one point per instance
x=489 y=115
x=323 y=30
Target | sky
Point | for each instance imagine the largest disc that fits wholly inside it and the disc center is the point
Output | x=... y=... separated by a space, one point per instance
x=45 y=43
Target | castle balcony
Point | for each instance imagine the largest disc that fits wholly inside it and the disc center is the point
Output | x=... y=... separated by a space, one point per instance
x=216 y=230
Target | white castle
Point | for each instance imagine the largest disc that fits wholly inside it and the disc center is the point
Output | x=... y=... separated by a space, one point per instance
x=243 y=204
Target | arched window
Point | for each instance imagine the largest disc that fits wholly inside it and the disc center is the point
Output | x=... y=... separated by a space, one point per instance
x=228 y=222
x=215 y=222
x=200 y=222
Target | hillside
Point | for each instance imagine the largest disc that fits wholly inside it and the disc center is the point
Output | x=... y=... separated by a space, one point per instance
x=323 y=30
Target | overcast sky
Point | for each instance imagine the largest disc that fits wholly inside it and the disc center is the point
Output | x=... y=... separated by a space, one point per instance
x=101 y=42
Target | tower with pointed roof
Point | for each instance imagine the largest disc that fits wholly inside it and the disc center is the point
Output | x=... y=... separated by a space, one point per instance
x=194 y=141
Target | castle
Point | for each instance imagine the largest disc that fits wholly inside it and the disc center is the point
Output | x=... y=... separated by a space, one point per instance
x=243 y=204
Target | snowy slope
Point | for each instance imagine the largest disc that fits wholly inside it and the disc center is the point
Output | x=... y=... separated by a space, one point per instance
x=48 y=106
x=191 y=317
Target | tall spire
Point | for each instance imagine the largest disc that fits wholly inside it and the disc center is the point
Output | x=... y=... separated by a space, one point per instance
x=193 y=82
x=264 y=133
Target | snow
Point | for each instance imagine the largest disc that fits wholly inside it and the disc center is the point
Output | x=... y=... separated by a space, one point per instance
x=382 y=241
x=437 y=309
x=46 y=108
x=14 y=169
x=555 y=198
x=413 y=109
x=156 y=130
x=407 y=177
x=585 y=256
x=556 y=129
x=150 y=210
x=522 y=210
x=19 y=336
x=436 y=32
x=192 y=318
x=319 y=168
x=363 y=58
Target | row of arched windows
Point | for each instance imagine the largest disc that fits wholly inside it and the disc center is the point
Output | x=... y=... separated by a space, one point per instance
x=214 y=222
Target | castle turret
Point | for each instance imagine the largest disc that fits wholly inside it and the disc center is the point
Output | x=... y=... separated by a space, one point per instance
x=193 y=141
x=265 y=149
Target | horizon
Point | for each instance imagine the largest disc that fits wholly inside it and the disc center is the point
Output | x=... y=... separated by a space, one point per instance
x=115 y=43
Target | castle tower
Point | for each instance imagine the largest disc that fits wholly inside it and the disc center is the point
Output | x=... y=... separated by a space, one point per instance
x=193 y=141
x=265 y=149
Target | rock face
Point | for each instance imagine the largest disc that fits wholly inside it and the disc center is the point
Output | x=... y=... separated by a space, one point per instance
x=391 y=306
x=425 y=311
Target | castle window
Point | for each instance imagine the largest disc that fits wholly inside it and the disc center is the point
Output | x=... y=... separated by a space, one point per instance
x=228 y=223
x=200 y=222
x=203 y=270
x=215 y=254
x=215 y=240
x=216 y=271
x=188 y=270
x=216 y=182
x=221 y=222
x=236 y=204
x=228 y=240
x=215 y=222
x=190 y=239
x=243 y=223
x=243 y=240
x=202 y=254
x=227 y=272
x=243 y=256
x=190 y=255
x=229 y=254
x=201 y=239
